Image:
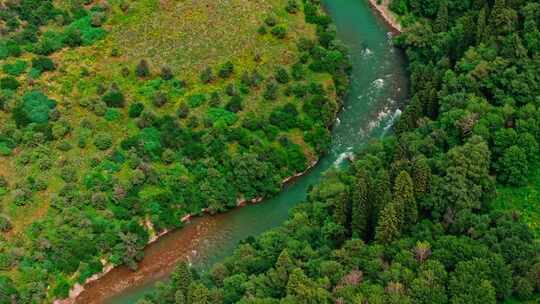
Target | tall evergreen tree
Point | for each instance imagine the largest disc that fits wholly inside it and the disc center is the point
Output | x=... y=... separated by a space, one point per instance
x=381 y=196
x=284 y=266
x=361 y=207
x=481 y=26
x=182 y=278
x=389 y=225
x=404 y=199
x=421 y=175
x=441 y=23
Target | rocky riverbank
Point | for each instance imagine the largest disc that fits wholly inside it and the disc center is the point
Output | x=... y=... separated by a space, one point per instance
x=383 y=10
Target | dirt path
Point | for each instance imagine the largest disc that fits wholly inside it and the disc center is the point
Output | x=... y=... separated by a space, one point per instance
x=384 y=11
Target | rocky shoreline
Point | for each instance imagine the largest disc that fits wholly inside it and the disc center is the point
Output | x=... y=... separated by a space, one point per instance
x=383 y=10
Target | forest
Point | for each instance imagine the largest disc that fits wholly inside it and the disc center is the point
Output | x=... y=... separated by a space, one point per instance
x=113 y=127
x=425 y=215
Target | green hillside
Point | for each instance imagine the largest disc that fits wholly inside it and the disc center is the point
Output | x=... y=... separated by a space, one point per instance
x=121 y=117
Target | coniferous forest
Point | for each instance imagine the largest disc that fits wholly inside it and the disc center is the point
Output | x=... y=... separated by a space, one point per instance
x=413 y=219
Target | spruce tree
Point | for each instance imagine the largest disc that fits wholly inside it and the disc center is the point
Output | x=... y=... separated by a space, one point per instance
x=381 y=195
x=284 y=266
x=441 y=23
x=341 y=211
x=404 y=199
x=388 y=228
x=481 y=26
x=182 y=278
x=421 y=175
x=361 y=207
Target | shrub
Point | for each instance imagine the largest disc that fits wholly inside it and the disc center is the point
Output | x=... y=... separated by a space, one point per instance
x=234 y=105
x=271 y=91
x=103 y=141
x=262 y=30
x=231 y=90
x=279 y=32
x=35 y=107
x=15 y=69
x=215 y=99
x=5 y=150
x=270 y=21
x=114 y=98
x=207 y=75
x=193 y=122
x=99 y=108
x=216 y=115
x=226 y=70
x=112 y=114
x=97 y=19
x=292 y=7
x=142 y=70
x=3 y=182
x=196 y=100
x=166 y=73
x=50 y=42
x=89 y=33
x=160 y=99
x=298 y=71
x=64 y=145
x=135 y=109
x=72 y=38
x=282 y=76
x=5 y=223
x=183 y=111
x=43 y=64
x=285 y=118
x=13 y=48
x=9 y=83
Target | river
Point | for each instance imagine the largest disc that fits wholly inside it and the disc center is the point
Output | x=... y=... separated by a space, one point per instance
x=378 y=87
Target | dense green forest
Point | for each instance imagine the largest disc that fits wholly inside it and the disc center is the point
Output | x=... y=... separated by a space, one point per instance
x=113 y=126
x=426 y=215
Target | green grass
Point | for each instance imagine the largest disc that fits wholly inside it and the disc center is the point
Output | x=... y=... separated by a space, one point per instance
x=525 y=199
x=188 y=36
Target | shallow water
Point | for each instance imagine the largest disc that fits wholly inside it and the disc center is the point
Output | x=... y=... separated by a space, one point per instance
x=378 y=88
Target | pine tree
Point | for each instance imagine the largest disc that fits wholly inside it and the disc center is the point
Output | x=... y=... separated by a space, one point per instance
x=481 y=26
x=381 y=195
x=182 y=278
x=441 y=23
x=404 y=199
x=432 y=103
x=361 y=207
x=388 y=228
x=502 y=19
x=421 y=175
x=342 y=210
x=279 y=276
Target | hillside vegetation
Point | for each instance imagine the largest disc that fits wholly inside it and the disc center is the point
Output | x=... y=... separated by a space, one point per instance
x=417 y=217
x=118 y=118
